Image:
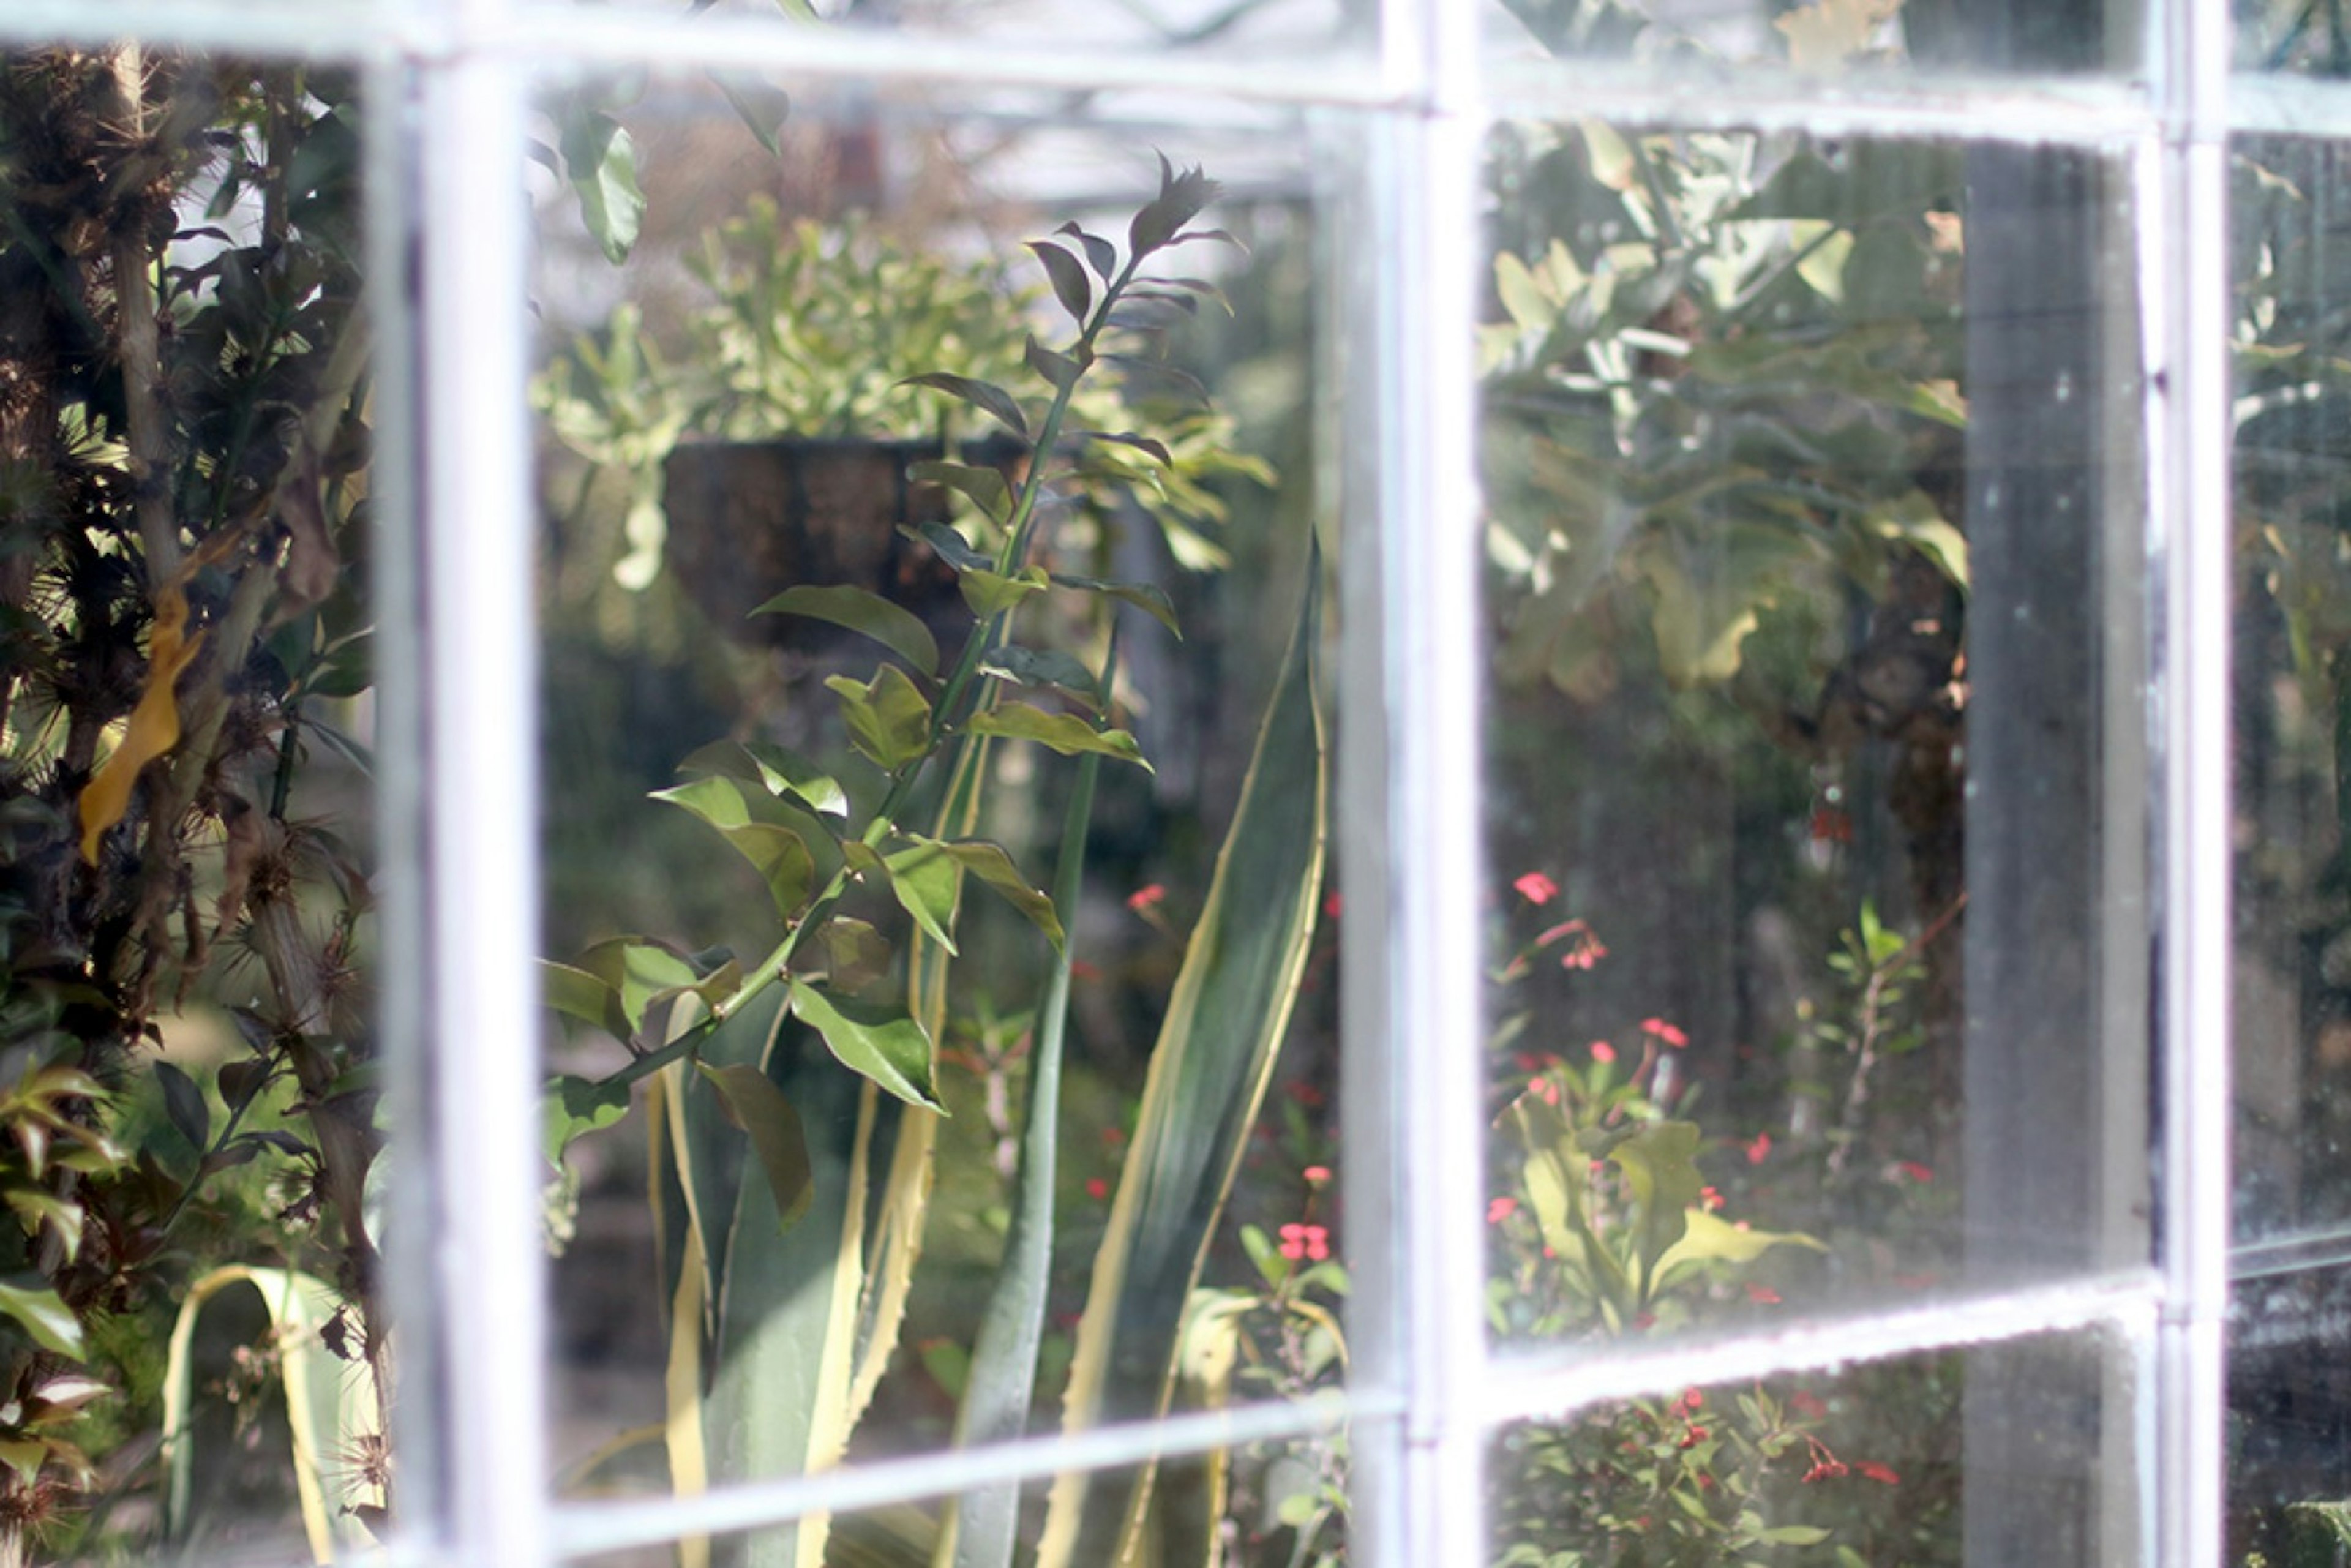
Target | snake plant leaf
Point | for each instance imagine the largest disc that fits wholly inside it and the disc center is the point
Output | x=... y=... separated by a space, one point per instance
x=888 y=719
x=894 y=626
x=1226 y=1018
x=892 y=1051
x=328 y=1410
x=1065 y=733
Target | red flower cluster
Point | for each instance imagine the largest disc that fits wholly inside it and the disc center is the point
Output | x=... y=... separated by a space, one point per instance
x=1310 y=1242
x=1664 y=1032
x=1536 y=888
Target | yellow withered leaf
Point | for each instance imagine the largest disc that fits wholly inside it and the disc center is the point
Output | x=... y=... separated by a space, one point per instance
x=154 y=727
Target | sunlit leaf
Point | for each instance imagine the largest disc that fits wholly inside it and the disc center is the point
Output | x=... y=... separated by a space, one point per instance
x=992 y=864
x=1065 y=733
x=989 y=594
x=898 y=629
x=888 y=720
x=889 y=1048
x=575 y=1107
x=602 y=161
x=153 y=728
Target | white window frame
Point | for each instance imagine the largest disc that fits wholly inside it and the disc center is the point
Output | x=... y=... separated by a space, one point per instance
x=1403 y=124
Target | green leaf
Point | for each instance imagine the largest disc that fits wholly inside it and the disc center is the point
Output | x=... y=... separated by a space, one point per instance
x=855 y=954
x=762 y=108
x=602 y=164
x=753 y=1103
x=1100 y=252
x=954 y=549
x=1061 y=370
x=1149 y=598
x=990 y=594
x=1708 y=1238
x=40 y=1312
x=1144 y=444
x=890 y=1048
x=1043 y=668
x=889 y=720
x=1065 y=733
x=784 y=861
x=184 y=1103
x=927 y=886
x=1070 y=284
x=896 y=628
x=1794 y=1535
x=1660 y=1165
x=575 y=993
x=1181 y=197
x=777 y=769
x=985 y=396
x=575 y=1107
x=1206 y=1082
x=985 y=487
x=993 y=864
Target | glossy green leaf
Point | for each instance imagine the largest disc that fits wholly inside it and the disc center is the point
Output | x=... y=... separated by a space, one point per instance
x=953 y=548
x=184 y=1104
x=1070 y=284
x=575 y=1107
x=1146 y=597
x=985 y=487
x=1707 y=1239
x=784 y=862
x=777 y=769
x=928 y=887
x=575 y=993
x=888 y=720
x=1041 y=667
x=983 y=395
x=889 y=1048
x=989 y=594
x=1065 y=733
x=602 y=161
x=895 y=627
x=855 y=954
x=1059 y=371
x=755 y=1104
x=1100 y=252
x=38 y=1311
x=994 y=866
x=1225 y=1022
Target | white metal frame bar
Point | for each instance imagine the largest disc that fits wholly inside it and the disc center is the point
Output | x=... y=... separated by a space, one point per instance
x=481 y=664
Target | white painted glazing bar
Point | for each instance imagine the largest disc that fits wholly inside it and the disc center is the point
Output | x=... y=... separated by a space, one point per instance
x=489 y=1257
x=1531 y=1385
x=2184 y=261
x=582 y=1529
x=1430 y=511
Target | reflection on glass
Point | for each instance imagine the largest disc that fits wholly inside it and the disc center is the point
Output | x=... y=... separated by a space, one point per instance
x=1701 y=38
x=1259 y=28
x=1264 y=1505
x=2012 y=1454
x=1817 y=932
x=2289 y=1411
x=186 y=928
x=2295 y=35
x=875 y=486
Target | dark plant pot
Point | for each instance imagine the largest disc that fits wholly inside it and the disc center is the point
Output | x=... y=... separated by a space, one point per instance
x=749 y=519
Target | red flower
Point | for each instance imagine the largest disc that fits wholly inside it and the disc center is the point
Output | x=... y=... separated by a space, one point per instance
x=1758 y=1149
x=1316 y=1175
x=1307 y=1241
x=1693 y=1437
x=1145 y=896
x=1501 y=1208
x=1920 y=1174
x=1830 y=826
x=1536 y=888
x=1097 y=1188
x=1879 y=1472
x=1665 y=1033
x=1692 y=1398
x=1332 y=906
x=1709 y=1199
x=1807 y=1403
x=1762 y=1295
x=1603 y=1052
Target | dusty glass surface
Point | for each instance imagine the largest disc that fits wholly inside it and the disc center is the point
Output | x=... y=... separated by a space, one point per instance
x=2302 y=37
x=1815 y=727
x=2289 y=1411
x=188 y=937
x=2294 y=902
x=1262 y=31
x=2022 y=1453
x=1847 y=41
x=728 y=418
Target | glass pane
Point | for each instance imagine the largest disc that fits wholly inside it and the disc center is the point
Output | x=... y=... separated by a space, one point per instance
x=731 y=418
x=2288 y=1474
x=2294 y=904
x=2292 y=36
x=187 y=933
x=1261 y=30
x=1815 y=727
x=1698 y=39
x=2021 y=1454
x=1261 y=1505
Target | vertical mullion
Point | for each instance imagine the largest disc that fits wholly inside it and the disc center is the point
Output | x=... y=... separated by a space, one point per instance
x=482 y=768
x=1422 y=1498
x=2185 y=259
